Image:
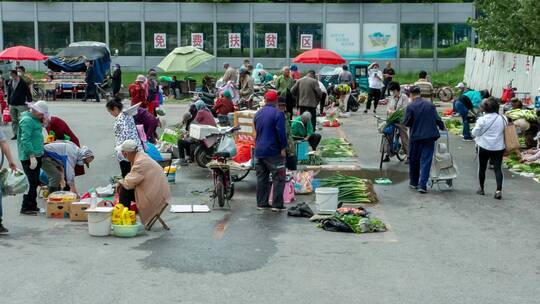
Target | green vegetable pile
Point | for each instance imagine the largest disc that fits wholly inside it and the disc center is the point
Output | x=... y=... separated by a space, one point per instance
x=397 y=116
x=454 y=126
x=336 y=147
x=351 y=189
x=513 y=163
x=359 y=224
x=516 y=114
x=314 y=159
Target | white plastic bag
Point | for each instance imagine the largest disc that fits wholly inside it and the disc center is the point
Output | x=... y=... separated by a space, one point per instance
x=15 y=183
x=227 y=144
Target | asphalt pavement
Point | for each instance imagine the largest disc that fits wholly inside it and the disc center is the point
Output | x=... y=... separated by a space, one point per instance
x=442 y=247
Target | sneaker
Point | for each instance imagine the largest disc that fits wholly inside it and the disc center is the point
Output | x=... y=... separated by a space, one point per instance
x=480 y=192
x=412 y=187
x=374 y=112
x=3 y=230
x=264 y=208
x=386 y=159
x=28 y=212
x=468 y=139
x=498 y=195
x=14 y=137
x=279 y=209
x=365 y=111
x=422 y=190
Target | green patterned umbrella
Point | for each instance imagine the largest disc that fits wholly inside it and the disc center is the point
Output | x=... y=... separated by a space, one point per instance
x=183 y=59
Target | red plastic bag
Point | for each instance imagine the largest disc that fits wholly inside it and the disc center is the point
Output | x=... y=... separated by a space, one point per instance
x=508 y=93
x=6 y=117
x=243 y=152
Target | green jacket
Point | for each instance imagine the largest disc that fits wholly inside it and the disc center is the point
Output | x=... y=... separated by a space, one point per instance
x=29 y=137
x=283 y=85
x=298 y=128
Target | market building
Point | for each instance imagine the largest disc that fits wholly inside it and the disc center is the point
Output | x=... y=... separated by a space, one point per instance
x=412 y=36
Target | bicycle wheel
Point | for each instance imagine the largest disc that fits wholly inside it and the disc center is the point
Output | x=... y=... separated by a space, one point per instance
x=398 y=146
x=384 y=149
x=1 y=159
x=219 y=191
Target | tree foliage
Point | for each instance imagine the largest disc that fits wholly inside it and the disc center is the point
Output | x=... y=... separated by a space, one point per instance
x=508 y=25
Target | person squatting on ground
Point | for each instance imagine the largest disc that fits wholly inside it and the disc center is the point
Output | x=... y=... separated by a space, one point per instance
x=375 y=81
x=302 y=129
x=424 y=123
x=308 y=93
x=270 y=150
x=30 y=145
x=59 y=163
x=489 y=137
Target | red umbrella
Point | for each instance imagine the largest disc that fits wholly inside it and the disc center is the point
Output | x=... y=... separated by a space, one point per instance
x=319 y=56
x=20 y=52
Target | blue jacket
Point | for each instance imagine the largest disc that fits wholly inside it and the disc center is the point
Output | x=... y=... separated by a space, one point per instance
x=271 y=134
x=422 y=119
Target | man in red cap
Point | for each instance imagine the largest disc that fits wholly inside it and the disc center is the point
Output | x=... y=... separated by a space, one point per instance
x=270 y=151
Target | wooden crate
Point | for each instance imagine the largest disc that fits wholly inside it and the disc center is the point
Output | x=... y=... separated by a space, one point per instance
x=244 y=120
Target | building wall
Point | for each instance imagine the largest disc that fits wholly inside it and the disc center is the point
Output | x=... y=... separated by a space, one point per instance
x=287 y=14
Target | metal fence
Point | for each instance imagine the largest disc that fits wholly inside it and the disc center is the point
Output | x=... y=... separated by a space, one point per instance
x=493 y=70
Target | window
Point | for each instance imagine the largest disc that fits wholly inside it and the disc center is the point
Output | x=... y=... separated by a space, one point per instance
x=53 y=36
x=416 y=41
x=297 y=30
x=126 y=38
x=207 y=29
x=89 y=31
x=18 y=33
x=453 y=40
x=171 y=40
x=223 y=31
x=270 y=40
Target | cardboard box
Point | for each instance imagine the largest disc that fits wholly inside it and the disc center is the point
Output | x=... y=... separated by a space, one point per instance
x=58 y=209
x=76 y=212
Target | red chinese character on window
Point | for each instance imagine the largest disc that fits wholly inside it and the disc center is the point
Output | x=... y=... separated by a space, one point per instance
x=306 y=41
x=270 y=40
x=159 y=41
x=197 y=40
x=234 y=40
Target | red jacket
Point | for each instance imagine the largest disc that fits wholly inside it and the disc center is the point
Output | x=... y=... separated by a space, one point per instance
x=223 y=106
x=138 y=94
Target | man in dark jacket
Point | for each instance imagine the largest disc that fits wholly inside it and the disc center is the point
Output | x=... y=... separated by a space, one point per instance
x=308 y=93
x=270 y=151
x=424 y=123
x=18 y=95
x=90 y=90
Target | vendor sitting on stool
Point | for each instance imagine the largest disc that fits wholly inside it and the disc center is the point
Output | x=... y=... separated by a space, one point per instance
x=145 y=184
x=60 y=158
x=303 y=130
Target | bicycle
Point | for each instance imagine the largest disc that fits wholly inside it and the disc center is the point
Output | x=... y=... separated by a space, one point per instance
x=391 y=144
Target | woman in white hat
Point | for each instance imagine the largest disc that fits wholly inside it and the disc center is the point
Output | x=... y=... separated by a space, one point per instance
x=30 y=146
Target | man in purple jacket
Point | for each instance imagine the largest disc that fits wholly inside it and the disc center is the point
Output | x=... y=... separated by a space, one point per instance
x=270 y=146
x=424 y=123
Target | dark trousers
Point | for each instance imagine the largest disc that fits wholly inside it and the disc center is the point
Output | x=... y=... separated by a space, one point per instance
x=314 y=140
x=322 y=103
x=384 y=89
x=291 y=162
x=420 y=157
x=265 y=166
x=184 y=148
x=464 y=112
x=313 y=112
x=125 y=167
x=91 y=92
x=125 y=196
x=290 y=102
x=29 y=199
x=374 y=95
x=495 y=157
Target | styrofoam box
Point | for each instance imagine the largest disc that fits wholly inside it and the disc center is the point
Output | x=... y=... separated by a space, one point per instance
x=201 y=131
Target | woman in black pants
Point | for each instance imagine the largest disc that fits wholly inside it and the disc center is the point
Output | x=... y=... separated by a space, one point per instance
x=489 y=137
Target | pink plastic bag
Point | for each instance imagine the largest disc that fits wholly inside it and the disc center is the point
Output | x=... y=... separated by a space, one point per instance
x=288 y=192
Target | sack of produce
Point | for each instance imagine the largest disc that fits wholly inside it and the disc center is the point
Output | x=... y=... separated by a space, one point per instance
x=170 y=136
x=227 y=144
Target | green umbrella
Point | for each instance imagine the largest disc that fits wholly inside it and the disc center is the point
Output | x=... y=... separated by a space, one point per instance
x=183 y=59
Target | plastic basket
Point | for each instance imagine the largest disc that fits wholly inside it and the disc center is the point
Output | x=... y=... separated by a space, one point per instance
x=302 y=149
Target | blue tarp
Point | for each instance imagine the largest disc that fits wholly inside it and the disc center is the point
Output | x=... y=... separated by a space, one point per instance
x=71 y=59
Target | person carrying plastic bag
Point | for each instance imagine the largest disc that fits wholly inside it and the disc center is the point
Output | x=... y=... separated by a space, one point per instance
x=7 y=152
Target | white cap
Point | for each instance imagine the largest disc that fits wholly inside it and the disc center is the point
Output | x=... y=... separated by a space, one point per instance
x=460 y=85
x=39 y=106
x=129 y=145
